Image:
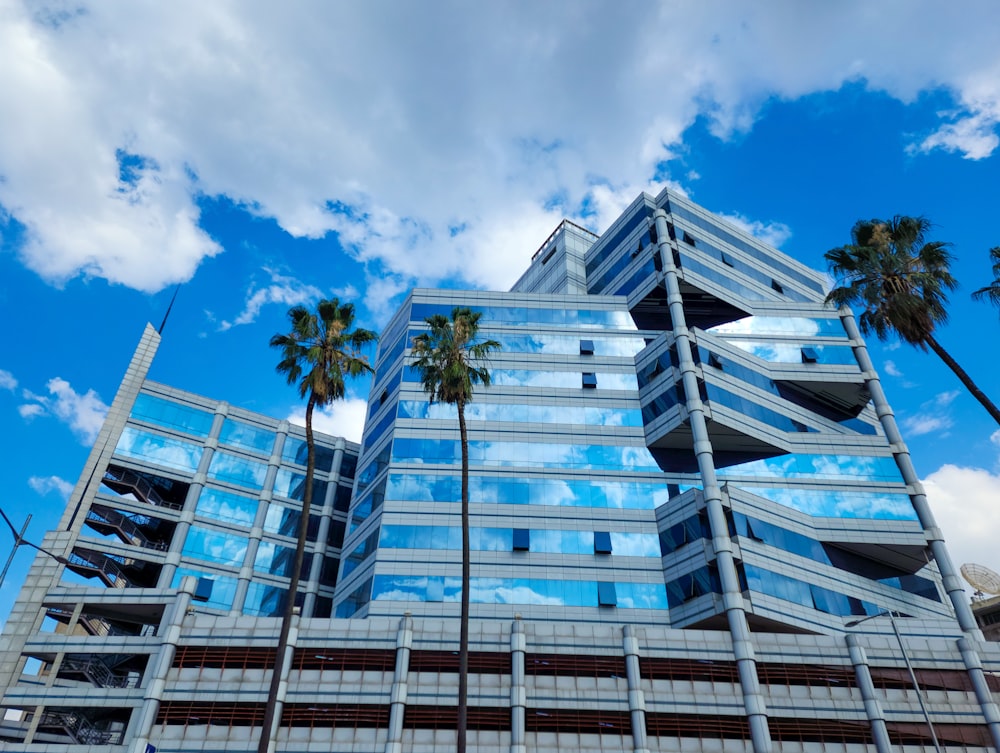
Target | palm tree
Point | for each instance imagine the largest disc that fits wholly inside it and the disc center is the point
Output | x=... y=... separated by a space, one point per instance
x=316 y=356
x=900 y=283
x=450 y=363
x=991 y=292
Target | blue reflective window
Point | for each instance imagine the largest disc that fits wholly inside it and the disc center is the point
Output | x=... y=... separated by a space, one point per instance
x=154 y=448
x=840 y=503
x=690 y=586
x=237 y=470
x=277 y=560
x=355 y=600
x=232 y=508
x=223 y=588
x=769 y=259
x=521 y=413
x=296 y=450
x=215 y=546
x=818 y=466
x=793 y=326
x=167 y=413
x=293 y=486
x=524 y=454
x=282 y=520
x=264 y=600
x=791 y=352
x=246 y=436
x=528 y=491
x=515 y=591
x=525 y=315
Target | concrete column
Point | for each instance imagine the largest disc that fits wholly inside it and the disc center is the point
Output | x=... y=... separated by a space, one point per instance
x=518 y=689
x=636 y=698
x=949 y=575
x=873 y=708
x=732 y=596
x=397 y=708
x=142 y=723
x=974 y=666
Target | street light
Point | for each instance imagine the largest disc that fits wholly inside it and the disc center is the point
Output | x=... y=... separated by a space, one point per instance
x=909 y=668
x=19 y=540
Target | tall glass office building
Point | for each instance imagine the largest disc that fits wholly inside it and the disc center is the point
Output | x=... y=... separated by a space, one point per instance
x=694 y=526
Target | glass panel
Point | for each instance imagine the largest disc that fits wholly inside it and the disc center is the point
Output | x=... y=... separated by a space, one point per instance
x=818 y=466
x=282 y=520
x=264 y=600
x=247 y=436
x=841 y=503
x=293 y=486
x=237 y=470
x=276 y=560
x=223 y=588
x=167 y=413
x=296 y=451
x=232 y=508
x=215 y=546
x=154 y=448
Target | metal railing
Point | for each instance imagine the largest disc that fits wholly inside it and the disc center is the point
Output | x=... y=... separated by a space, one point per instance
x=139 y=485
x=80 y=728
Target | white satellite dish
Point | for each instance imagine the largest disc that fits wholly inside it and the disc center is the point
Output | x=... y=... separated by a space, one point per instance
x=981 y=578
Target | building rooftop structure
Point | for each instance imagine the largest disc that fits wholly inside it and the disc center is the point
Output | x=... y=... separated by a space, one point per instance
x=694 y=525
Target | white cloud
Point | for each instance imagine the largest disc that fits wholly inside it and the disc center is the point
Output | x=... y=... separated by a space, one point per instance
x=283 y=289
x=343 y=418
x=29 y=411
x=964 y=502
x=45 y=484
x=83 y=412
x=771 y=233
x=934 y=415
x=890 y=368
x=394 y=131
x=7 y=381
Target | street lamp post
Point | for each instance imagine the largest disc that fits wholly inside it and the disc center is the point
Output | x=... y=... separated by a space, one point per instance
x=909 y=668
x=19 y=540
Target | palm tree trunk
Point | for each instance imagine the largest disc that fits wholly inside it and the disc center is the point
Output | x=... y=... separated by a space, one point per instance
x=264 y=743
x=463 y=640
x=965 y=378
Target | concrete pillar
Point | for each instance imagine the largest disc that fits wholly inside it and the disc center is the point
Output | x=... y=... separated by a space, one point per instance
x=949 y=575
x=873 y=708
x=974 y=666
x=518 y=689
x=732 y=596
x=142 y=723
x=636 y=698
x=397 y=708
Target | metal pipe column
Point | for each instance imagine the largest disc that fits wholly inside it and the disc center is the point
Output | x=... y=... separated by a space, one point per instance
x=732 y=596
x=952 y=583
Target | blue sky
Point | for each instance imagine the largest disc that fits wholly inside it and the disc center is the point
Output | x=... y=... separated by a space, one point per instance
x=263 y=155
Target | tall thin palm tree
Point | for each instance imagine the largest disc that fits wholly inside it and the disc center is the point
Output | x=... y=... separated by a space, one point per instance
x=991 y=292
x=319 y=353
x=900 y=282
x=451 y=363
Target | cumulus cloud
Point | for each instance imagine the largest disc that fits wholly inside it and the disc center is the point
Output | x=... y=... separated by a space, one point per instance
x=340 y=118
x=83 y=412
x=964 y=502
x=771 y=233
x=343 y=418
x=45 y=484
x=7 y=381
x=934 y=415
x=890 y=368
x=283 y=289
